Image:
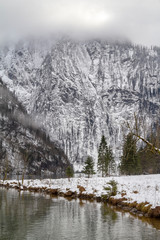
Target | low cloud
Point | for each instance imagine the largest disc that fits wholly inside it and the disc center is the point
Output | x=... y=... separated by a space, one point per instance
x=136 y=20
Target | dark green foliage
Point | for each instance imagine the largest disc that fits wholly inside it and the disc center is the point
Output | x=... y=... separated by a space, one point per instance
x=112 y=164
x=108 y=211
x=130 y=163
x=69 y=172
x=106 y=162
x=89 y=166
x=111 y=189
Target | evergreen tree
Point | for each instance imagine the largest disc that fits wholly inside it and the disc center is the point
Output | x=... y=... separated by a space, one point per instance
x=129 y=161
x=102 y=155
x=105 y=158
x=69 y=172
x=89 y=166
x=112 y=164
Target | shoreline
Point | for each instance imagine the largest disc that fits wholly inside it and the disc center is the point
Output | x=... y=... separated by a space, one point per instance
x=129 y=197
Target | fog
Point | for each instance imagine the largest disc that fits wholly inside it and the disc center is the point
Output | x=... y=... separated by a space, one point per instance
x=136 y=20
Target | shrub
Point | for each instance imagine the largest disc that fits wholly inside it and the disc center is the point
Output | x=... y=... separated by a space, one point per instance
x=111 y=189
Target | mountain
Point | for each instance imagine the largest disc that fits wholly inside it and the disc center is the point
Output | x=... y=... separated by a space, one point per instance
x=24 y=146
x=79 y=90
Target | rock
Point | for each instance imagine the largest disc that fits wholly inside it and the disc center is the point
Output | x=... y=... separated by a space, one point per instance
x=98 y=199
x=96 y=84
x=81 y=188
x=126 y=209
x=140 y=215
x=134 y=210
x=68 y=194
x=61 y=194
x=52 y=191
x=154 y=212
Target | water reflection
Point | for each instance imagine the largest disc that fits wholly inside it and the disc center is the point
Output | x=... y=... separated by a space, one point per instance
x=32 y=216
x=108 y=211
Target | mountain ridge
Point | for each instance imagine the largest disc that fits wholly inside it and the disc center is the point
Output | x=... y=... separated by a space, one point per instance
x=81 y=90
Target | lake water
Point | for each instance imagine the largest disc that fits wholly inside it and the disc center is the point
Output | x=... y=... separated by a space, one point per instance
x=32 y=216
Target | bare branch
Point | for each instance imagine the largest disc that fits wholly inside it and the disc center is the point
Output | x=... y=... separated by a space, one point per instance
x=136 y=131
x=152 y=147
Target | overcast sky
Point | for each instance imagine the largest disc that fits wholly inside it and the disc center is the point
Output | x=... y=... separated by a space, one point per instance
x=138 y=20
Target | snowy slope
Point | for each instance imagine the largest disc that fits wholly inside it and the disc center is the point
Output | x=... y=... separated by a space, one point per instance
x=81 y=90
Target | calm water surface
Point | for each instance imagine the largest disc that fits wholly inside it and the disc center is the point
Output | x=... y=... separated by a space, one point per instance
x=33 y=216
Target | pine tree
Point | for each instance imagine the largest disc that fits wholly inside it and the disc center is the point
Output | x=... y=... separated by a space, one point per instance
x=102 y=155
x=69 y=172
x=105 y=158
x=129 y=161
x=112 y=164
x=89 y=166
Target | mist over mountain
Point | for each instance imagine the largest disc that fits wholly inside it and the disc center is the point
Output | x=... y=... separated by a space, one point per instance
x=79 y=90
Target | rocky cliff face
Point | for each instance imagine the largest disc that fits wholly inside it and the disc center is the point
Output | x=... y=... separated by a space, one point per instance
x=24 y=147
x=81 y=90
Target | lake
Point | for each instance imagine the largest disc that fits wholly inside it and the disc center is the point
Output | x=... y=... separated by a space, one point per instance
x=33 y=216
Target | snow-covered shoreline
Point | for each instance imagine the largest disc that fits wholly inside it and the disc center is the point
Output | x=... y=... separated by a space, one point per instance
x=132 y=191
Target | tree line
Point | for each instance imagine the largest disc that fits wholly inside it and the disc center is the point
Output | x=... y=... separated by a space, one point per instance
x=133 y=160
x=105 y=164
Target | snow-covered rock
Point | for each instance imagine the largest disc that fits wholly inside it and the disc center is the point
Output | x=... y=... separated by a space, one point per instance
x=81 y=90
x=24 y=146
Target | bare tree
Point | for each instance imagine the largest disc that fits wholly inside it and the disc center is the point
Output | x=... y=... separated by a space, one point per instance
x=138 y=129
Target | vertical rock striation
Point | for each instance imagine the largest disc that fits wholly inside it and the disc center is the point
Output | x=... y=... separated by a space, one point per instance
x=81 y=90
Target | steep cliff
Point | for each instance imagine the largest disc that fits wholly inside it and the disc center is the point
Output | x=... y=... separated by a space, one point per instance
x=24 y=146
x=80 y=90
